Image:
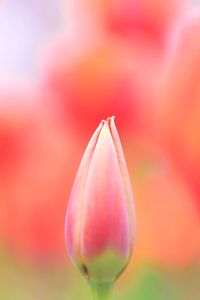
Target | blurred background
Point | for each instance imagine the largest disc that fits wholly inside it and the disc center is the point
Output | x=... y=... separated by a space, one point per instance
x=64 y=66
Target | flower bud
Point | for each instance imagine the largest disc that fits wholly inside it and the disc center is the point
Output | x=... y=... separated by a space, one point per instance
x=100 y=220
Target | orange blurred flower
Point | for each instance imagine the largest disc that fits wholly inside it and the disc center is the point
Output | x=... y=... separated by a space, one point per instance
x=106 y=79
x=168 y=222
x=167 y=218
x=181 y=104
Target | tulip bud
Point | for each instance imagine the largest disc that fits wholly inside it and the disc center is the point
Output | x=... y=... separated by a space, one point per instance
x=100 y=220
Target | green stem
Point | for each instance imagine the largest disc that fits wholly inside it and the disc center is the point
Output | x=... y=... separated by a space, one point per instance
x=101 y=290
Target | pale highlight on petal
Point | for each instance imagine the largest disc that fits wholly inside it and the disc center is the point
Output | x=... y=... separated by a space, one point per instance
x=104 y=200
x=125 y=178
x=74 y=207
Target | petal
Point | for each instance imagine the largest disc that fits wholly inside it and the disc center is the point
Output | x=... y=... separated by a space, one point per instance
x=126 y=180
x=75 y=205
x=105 y=217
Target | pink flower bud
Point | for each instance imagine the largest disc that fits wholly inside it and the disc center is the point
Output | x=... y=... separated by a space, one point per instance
x=100 y=220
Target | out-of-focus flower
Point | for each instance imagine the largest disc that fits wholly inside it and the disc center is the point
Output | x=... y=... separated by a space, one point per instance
x=152 y=19
x=35 y=175
x=15 y=122
x=108 y=78
x=168 y=221
x=181 y=104
x=100 y=220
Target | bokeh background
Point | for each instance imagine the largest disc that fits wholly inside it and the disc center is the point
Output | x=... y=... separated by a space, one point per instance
x=64 y=66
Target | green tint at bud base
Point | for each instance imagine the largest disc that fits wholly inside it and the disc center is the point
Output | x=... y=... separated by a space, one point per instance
x=100 y=220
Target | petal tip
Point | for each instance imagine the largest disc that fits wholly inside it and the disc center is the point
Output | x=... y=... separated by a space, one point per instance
x=110 y=120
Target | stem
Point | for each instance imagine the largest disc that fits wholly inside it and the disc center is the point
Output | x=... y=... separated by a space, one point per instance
x=101 y=290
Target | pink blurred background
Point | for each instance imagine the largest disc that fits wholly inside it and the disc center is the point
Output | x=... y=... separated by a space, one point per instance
x=64 y=66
